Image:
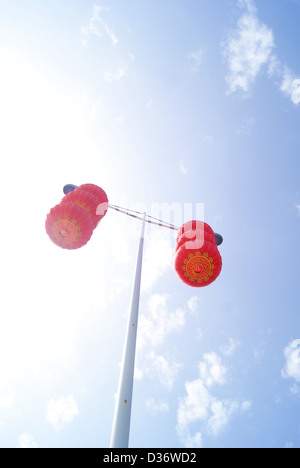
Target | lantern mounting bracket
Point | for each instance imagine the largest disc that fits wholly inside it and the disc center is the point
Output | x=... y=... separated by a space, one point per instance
x=70 y=187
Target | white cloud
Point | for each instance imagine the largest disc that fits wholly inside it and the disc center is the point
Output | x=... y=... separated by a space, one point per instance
x=291 y=368
x=61 y=411
x=157 y=407
x=260 y=351
x=274 y=66
x=138 y=372
x=97 y=26
x=193 y=303
x=212 y=370
x=27 y=441
x=112 y=76
x=200 y=405
x=194 y=441
x=291 y=86
x=248 y=4
x=163 y=370
x=157 y=367
x=195 y=405
x=197 y=58
x=295 y=390
x=246 y=406
x=159 y=322
x=221 y=412
x=298 y=208
x=231 y=347
x=246 y=50
x=155 y=325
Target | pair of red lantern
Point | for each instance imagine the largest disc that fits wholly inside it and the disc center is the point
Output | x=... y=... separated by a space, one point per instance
x=198 y=261
x=70 y=224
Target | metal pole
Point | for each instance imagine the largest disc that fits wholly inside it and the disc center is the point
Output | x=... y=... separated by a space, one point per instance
x=121 y=423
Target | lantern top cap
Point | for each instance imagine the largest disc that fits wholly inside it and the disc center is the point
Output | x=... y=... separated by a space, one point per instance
x=218 y=239
x=69 y=188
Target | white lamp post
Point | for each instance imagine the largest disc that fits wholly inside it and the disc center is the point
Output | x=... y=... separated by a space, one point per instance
x=121 y=421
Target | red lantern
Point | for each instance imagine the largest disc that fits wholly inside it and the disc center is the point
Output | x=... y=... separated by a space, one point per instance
x=101 y=196
x=85 y=199
x=69 y=225
x=194 y=226
x=190 y=237
x=198 y=261
x=199 y=266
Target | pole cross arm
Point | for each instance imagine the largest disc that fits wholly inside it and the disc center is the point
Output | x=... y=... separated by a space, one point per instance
x=70 y=187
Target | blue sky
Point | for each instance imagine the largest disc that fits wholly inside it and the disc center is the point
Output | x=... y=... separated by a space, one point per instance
x=175 y=108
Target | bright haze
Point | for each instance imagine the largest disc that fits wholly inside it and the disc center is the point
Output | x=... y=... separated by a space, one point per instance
x=184 y=109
